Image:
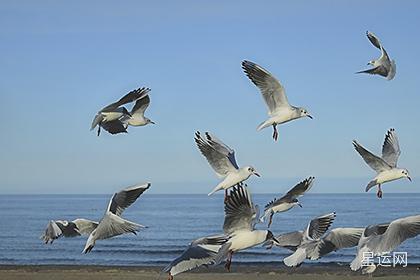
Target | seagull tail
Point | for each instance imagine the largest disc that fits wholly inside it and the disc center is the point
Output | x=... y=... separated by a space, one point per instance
x=264 y=124
x=296 y=258
x=371 y=185
x=214 y=190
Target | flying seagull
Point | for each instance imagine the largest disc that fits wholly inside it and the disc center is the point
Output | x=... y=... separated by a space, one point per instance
x=222 y=159
x=77 y=227
x=385 y=166
x=305 y=242
x=201 y=251
x=381 y=239
x=112 y=224
x=241 y=217
x=383 y=66
x=135 y=118
x=279 y=109
x=289 y=200
x=116 y=111
x=334 y=240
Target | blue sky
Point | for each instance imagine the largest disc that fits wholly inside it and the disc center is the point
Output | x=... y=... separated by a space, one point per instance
x=61 y=62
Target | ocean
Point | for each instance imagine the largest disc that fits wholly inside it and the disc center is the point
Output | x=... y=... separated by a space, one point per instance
x=175 y=220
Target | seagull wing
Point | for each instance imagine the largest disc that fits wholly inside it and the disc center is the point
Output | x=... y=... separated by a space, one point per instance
x=379 y=70
x=336 y=239
x=318 y=226
x=300 y=188
x=375 y=162
x=290 y=240
x=239 y=210
x=374 y=39
x=397 y=232
x=200 y=252
x=123 y=199
x=391 y=148
x=84 y=226
x=52 y=232
x=114 y=127
x=112 y=225
x=128 y=98
x=142 y=103
x=271 y=89
x=220 y=157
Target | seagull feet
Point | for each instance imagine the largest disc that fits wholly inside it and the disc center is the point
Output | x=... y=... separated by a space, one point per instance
x=228 y=261
x=275 y=133
x=170 y=277
x=269 y=246
x=379 y=193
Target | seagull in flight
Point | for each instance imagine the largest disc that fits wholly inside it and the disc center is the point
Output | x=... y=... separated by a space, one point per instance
x=222 y=159
x=110 y=116
x=201 y=251
x=58 y=228
x=381 y=239
x=385 y=166
x=112 y=224
x=241 y=216
x=383 y=66
x=287 y=201
x=279 y=109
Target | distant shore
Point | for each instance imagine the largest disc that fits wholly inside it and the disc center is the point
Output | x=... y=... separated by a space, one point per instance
x=240 y=272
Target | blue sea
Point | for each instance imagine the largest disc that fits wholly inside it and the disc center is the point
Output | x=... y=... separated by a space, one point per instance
x=173 y=221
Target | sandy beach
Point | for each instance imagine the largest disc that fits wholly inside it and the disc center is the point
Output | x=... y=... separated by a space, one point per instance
x=324 y=272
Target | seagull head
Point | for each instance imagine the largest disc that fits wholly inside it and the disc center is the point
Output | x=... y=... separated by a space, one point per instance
x=304 y=113
x=296 y=202
x=270 y=237
x=252 y=171
x=149 y=121
x=372 y=62
x=404 y=173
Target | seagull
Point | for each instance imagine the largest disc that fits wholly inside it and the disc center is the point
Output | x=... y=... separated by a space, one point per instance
x=385 y=166
x=77 y=227
x=201 y=251
x=222 y=159
x=112 y=224
x=135 y=118
x=116 y=111
x=241 y=216
x=287 y=201
x=334 y=240
x=279 y=109
x=383 y=66
x=381 y=239
x=305 y=242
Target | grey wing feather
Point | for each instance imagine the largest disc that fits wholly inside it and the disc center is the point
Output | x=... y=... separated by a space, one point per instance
x=271 y=89
x=379 y=70
x=52 y=232
x=128 y=98
x=373 y=39
x=239 y=210
x=318 y=226
x=391 y=148
x=375 y=162
x=219 y=160
x=84 y=226
x=222 y=148
x=142 y=103
x=112 y=225
x=290 y=240
x=301 y=188
x=123 y=199
x=114 y=127
x=338 y=238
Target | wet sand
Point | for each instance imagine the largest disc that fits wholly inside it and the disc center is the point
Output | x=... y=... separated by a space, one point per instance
x=239 y=272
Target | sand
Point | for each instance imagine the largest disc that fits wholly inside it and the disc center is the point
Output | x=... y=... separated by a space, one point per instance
x=321 y=272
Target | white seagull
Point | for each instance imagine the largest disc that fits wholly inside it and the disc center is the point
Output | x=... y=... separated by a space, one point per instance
x=310 y=237
x=239 y=226
x=222 y=159
x=334 y=240
x=58 y=228
x=112 y=224
x=383 y=66
x=279 y=109
x=110 y=116
x=135 y=118
x=382 y=239
x=289 y=200
x=385 y=166
x=201 y=251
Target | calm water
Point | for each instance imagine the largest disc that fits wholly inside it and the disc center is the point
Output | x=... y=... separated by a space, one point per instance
x=173 y=221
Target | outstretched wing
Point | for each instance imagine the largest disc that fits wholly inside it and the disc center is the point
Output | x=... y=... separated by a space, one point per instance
x=375 y=162
x=391 y=148
x=142 y=103
x=128 y=98
x=318 y=226
x=114 y=127
x=300 y=188
x=336 y=239
x=374 y=39
x=379 y=70
x=123 y=199
x=84 y=226
x=220 y=157
x=240 y=212
x=271 y=89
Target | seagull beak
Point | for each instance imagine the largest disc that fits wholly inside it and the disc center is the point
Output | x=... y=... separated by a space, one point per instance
x=275 y=240
x=309 y=116
x=300 y=205
x=409 y=178
x=256 y=174
x=152 y=122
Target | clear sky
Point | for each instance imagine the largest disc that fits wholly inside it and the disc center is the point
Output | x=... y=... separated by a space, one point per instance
x=61 y=62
